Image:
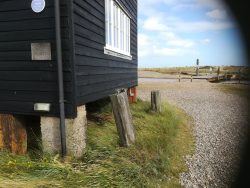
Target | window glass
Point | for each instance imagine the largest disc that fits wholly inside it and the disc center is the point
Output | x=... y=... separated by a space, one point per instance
x=117 y=26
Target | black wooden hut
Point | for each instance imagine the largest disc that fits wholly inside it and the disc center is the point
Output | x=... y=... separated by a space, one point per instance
x=99 y=53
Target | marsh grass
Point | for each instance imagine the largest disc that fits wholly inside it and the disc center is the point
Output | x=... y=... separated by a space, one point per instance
x=155 y=160
x=245 y=71
x=238 y=89
x=177 y=70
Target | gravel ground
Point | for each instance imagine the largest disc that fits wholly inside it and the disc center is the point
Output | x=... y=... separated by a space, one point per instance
x=220 y=126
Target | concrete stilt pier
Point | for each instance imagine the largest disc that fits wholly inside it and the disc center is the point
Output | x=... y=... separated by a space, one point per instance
x=75 y=134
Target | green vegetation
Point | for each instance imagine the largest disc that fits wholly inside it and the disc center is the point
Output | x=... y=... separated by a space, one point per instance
x=172 y=70
x=245 y=71
x=242 y=90
x=156 y=159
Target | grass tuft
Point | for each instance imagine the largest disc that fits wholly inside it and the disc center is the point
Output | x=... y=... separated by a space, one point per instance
x=238 y=89
x=155 y=160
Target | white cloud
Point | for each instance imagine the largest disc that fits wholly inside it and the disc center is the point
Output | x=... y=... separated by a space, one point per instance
x=205 y=41
x=164 y=44
x=168 y=35
x=146 y=5
x=217 y=14
x=201 y=26
x=143 y=53
x=164 y=34
x=210 y=3
x=181 y=43
x=177 y=25
x=180 y=7
x=143 y=39
x=167 y=51
x=154 y=24
x=172 y=39
x=174 y=52
x=151 y=2
x=144 y=44
x=197 y=4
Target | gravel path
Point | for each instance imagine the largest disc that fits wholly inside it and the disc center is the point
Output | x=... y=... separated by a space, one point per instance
x=220 y=126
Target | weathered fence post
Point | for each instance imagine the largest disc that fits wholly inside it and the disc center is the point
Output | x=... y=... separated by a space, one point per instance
x=210 y=70
x=156 y=101
x=239 y=75
x=179 y=77
x=191 y=79
x=225 y=76
x=13 y=136
x=123 y=118
x=218 y=74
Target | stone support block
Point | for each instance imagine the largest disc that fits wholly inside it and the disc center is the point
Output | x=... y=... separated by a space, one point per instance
x=75 y=134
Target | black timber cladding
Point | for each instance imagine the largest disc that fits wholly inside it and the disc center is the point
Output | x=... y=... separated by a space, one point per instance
x=89 y=74
x=97 y=74
x=24 y=82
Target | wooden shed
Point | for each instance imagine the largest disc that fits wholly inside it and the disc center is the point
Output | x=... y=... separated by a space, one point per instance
x=99 y=53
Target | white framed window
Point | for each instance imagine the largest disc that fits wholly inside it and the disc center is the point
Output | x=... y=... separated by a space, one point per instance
x=117 y=30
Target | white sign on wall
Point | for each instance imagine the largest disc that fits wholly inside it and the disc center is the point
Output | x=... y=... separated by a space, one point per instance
x=38 y=5
x=41 y=51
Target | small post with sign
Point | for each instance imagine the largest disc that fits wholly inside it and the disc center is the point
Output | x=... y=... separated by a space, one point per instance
x=197 y=67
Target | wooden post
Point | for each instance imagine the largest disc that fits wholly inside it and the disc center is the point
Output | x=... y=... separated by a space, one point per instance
x=13 y=136
x=218 y=74
x=239 y=75
x=179 y=77
x=191 y=78
x=156 y=101
x=123 y=118
x=225 y=75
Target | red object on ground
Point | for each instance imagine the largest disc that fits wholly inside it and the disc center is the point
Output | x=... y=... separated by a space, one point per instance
x=132 y=94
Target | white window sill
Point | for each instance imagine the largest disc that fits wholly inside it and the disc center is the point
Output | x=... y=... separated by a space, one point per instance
x=108 y=51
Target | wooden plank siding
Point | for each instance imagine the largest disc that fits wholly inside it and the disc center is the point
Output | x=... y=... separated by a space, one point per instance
x=99 y=75
x=24 y=82
x=89 y=74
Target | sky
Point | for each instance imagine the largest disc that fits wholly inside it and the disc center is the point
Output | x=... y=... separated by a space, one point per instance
x=174 y=33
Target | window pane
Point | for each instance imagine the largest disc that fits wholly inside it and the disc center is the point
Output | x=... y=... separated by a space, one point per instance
x=111 y=22
x=128 y=35
x=129 y=43
x=107 y=20
x=117 y=27
x=122 y=30
x=124 y=35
